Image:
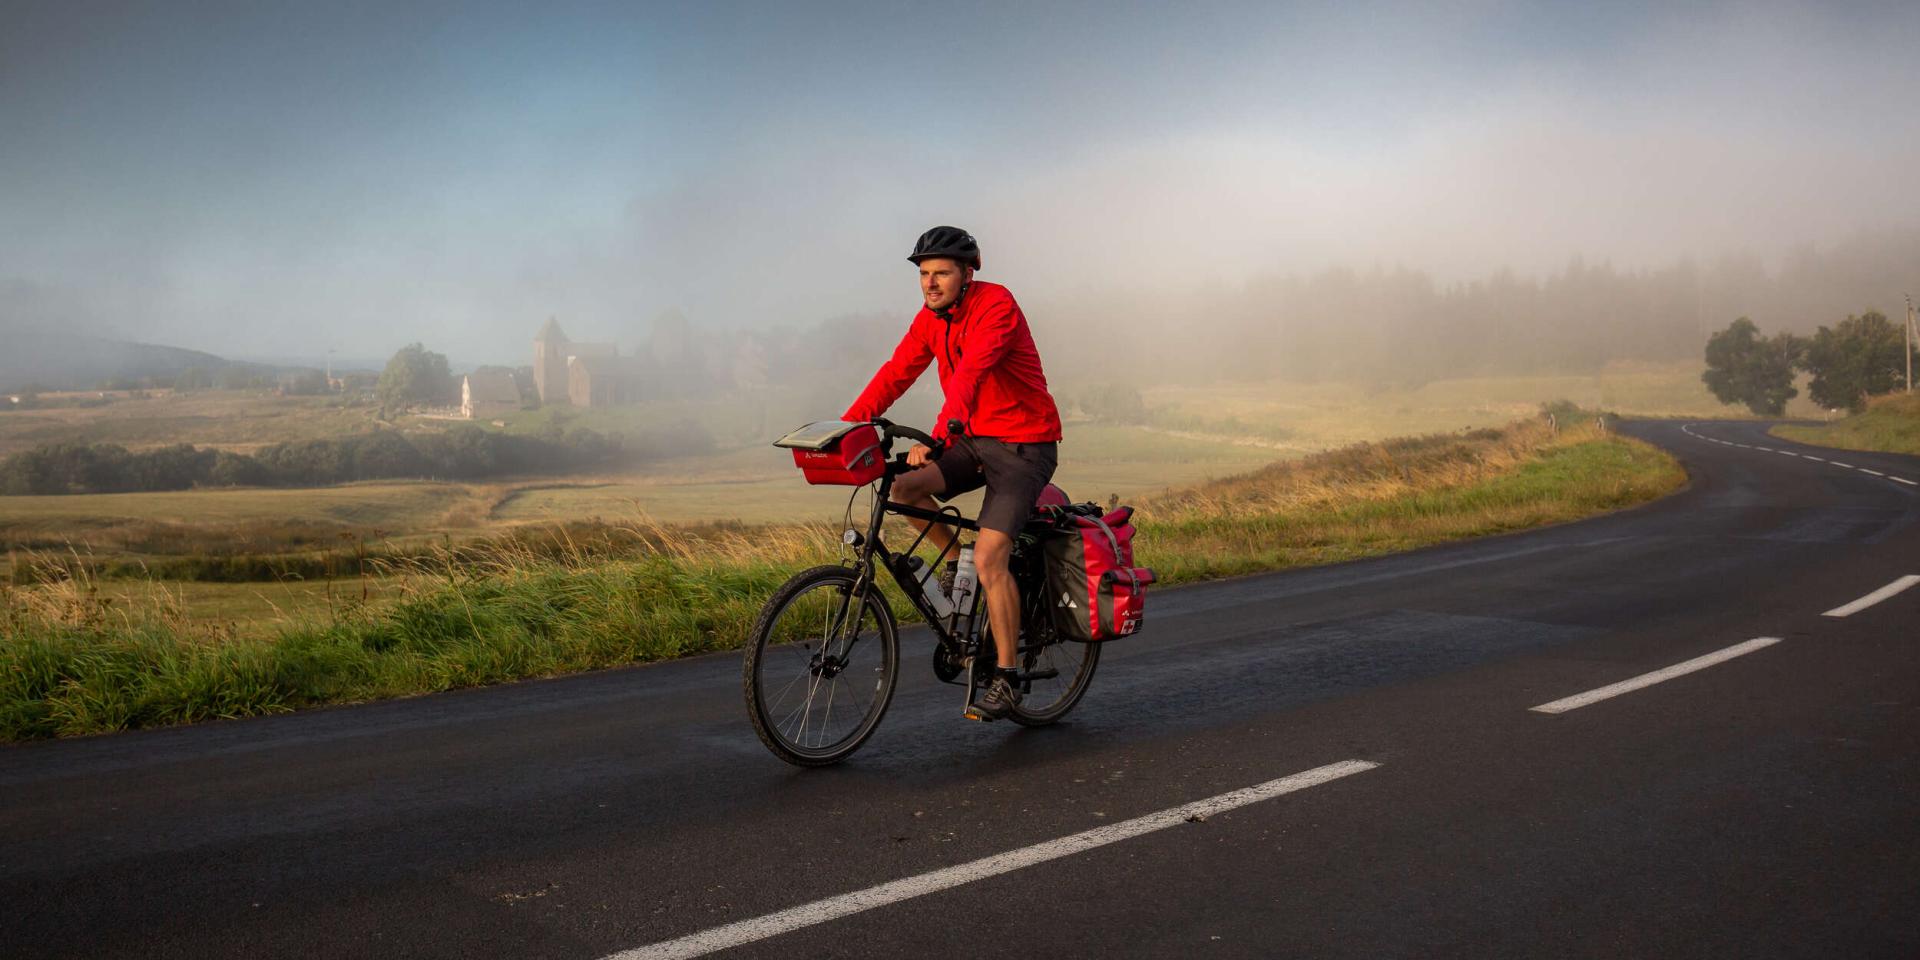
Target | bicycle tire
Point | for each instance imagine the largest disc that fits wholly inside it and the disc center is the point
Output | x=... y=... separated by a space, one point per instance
x=1084 y=658
x=780 y=644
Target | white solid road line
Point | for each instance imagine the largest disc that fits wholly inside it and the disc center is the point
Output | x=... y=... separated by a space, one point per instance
x=833 y=908
x=1874 y=597
x=1579 y=700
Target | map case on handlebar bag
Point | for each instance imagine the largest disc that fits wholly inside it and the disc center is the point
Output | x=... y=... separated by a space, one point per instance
x=1093 y=588
x=837 y=452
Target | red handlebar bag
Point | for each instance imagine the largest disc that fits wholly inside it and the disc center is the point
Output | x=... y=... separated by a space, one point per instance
x=837 y=453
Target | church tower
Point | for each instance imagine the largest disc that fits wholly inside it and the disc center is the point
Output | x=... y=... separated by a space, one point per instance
x=550 y=364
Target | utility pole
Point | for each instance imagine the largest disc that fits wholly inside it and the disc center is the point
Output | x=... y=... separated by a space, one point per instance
x=1911 y=333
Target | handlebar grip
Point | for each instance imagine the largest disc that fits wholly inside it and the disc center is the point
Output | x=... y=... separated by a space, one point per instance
x=896 y=430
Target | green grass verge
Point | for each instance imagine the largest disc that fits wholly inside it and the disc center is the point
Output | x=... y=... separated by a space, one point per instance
x=1562 y=484
x=1890 y=424
x=69 y=666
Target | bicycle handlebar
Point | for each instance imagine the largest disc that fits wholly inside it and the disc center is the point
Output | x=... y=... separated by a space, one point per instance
x=896 y=430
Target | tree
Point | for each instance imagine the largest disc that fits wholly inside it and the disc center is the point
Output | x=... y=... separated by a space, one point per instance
x=415 y=375
x=377 y=456
x=237 y=470
x=1854 y=359
x=1744 y=367
x=240 y=377
x=193 y=378
x=1114 y=402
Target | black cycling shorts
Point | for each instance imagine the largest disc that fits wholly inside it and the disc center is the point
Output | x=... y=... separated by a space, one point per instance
x=1013 y=473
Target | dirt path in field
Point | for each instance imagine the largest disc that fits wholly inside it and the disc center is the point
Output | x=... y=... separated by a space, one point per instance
x=1232 y=439
x=499 y=503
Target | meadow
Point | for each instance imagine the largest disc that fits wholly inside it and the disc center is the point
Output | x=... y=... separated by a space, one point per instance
x=237 y=420
x=74 y=662
x=252 y=561
x=1890 y=424
x=1310 y=417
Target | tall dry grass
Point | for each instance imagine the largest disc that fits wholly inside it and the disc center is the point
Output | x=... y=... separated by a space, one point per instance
x=560 y=599
x=1890 y=424
x=1401 y=494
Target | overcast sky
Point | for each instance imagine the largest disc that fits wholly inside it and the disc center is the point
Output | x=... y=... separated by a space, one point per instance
x=280 y=179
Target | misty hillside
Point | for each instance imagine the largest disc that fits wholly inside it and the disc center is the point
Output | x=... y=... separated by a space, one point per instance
x=51 y=360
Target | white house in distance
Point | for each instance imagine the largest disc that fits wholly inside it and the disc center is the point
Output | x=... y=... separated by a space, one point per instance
x=488 y=394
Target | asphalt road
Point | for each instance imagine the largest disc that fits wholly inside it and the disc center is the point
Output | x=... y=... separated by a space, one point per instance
x=1768 y=805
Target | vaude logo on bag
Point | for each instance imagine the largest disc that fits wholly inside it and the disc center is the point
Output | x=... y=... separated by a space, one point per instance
x=1066 y=600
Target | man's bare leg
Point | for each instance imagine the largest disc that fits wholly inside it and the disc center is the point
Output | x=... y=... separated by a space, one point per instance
x=990 y=554
x=916 y=489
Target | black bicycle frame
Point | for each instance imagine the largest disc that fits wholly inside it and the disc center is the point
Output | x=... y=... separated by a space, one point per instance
x=872 y=548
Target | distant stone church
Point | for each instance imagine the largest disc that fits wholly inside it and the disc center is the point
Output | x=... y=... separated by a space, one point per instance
x=583 y=374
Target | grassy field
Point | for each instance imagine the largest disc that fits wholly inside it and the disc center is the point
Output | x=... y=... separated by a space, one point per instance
x=756 y=484
x=238 y=420
x=1311 y=417
x=155 y=528
x=72 y=663
x=1194 y=433
x=292 y=543
x=166 y=532
x=1890 y=424
x=759 y=484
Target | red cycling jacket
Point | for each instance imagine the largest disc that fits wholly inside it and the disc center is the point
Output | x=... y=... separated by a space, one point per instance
x=989 y=370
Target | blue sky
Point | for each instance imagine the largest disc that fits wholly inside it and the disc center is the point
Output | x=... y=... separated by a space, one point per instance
x=281 y=179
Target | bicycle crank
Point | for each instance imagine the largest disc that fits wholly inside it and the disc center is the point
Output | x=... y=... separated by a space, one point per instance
x=947 y=665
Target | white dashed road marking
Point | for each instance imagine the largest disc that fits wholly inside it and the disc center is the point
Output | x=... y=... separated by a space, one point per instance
x=1611 y=690
x=1875 y=597
x=1688 y=430
x=847 y=904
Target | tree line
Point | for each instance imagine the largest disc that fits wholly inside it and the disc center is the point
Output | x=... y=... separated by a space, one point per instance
x=463 y=453
x=1849 y=362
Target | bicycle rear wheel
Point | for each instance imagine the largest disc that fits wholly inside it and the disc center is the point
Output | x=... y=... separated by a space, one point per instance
x=1045 y=701
x=820 y=667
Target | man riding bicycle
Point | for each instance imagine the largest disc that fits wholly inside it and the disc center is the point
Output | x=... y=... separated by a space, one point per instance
x=1009 y=428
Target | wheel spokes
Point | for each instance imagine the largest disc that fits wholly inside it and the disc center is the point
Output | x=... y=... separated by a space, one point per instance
x=808 y=659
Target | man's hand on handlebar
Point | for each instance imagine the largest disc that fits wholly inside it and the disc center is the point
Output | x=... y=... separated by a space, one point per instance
x=925 y=450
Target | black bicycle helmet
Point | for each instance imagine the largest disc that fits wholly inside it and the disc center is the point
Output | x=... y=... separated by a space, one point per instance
x=952 y=243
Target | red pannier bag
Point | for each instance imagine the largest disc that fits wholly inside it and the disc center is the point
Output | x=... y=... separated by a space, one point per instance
x=837 y=452
x=1093 y=588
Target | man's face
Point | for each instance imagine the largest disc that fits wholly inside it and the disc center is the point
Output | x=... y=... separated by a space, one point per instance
x=941 y=280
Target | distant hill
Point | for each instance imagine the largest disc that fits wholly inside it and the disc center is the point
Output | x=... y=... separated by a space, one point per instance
x=64 y=361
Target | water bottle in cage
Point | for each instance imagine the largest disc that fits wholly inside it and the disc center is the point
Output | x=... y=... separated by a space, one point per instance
x=964 y=580
x=927 y=578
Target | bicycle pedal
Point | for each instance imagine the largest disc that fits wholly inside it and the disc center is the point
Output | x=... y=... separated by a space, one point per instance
x=971 y=714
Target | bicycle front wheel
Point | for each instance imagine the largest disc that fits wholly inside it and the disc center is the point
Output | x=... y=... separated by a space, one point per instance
x=820 y=666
